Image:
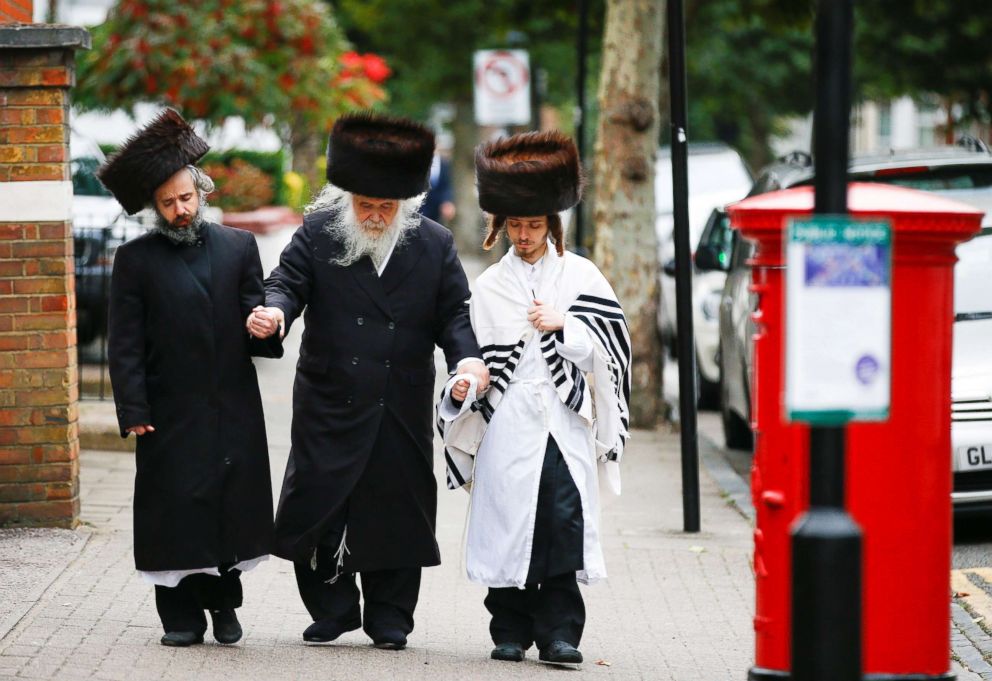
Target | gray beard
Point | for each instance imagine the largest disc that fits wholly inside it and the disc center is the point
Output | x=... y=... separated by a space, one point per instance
x=357 y=239
x=185 y=236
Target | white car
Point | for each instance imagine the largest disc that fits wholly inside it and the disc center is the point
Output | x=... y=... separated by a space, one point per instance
x=717 y=176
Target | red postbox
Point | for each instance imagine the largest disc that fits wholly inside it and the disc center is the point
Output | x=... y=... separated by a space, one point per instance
x=898 y=473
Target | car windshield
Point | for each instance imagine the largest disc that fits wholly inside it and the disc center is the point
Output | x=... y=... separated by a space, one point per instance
x=709 y=173
x=84 y=180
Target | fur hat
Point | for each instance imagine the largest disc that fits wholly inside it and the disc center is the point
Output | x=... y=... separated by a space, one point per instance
x=379 y=156
x=530 y=174
x=149 y=158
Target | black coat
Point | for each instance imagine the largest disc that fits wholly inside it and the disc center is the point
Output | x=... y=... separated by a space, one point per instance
x=180 y=359
x=362 y=439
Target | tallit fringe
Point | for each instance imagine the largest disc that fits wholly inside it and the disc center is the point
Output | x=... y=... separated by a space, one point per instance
x=338 y=557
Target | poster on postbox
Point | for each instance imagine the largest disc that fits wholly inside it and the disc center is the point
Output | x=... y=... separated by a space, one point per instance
x=838 y=319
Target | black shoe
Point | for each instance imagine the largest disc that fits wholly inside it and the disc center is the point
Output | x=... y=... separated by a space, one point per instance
x=390 y=639
x=325 y=631
x=227 y=629
x=559 y=652
x=181 y=639
x=508 y=652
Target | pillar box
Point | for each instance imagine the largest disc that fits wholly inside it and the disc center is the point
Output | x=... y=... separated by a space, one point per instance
x=898 y=473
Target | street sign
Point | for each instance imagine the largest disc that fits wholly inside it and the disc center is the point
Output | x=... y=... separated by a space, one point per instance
x=502 y=87
x=838 y=319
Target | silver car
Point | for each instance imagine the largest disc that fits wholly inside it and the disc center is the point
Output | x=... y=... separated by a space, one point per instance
x=962 y=174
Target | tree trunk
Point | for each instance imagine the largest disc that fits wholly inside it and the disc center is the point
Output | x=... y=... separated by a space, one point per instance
x=624 y=202
x=467 y=225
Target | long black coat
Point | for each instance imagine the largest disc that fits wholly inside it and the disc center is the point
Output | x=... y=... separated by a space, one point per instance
x=180 y=359
x=362 y=403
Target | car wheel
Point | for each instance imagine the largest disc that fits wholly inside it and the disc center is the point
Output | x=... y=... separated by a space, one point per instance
x=736 y=432
x=707 y=392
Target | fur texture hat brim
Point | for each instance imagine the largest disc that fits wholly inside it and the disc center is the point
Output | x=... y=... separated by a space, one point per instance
x=527 y=175
x=149 y=158
x=379 y=156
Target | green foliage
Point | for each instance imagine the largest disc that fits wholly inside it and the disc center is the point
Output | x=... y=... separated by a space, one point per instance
x=217 y=58
x=745 y=72
x=430 y=43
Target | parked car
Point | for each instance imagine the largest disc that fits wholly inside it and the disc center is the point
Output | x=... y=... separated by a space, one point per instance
x=960 y=173
x=717 y=176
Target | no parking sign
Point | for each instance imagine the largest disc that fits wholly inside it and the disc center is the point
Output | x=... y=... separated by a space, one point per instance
x=502 y=87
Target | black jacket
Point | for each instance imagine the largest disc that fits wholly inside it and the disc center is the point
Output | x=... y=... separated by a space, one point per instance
x=180 y=359
x=362 y=439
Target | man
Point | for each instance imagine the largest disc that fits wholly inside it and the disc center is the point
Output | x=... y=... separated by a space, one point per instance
x=548 y=321
x=439 y=205
x=379 y=286
x=184 y=384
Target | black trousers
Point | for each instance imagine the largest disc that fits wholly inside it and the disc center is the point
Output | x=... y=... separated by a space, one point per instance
x=181 y=607
x=550 y=607
x=390 y=598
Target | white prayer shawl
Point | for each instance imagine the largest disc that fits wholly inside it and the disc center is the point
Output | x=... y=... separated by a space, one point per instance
x=495 y=445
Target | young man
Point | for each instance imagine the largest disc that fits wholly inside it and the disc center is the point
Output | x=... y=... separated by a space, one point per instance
x=557 y=347
x=184 y=384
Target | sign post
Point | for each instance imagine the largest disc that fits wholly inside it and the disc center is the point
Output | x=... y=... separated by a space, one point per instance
x=502 y=87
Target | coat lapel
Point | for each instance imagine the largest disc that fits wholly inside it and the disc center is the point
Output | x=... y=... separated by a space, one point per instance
x=366 y=276
x=404 y=257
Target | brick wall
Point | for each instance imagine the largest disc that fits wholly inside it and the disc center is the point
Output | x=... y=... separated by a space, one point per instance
x=16 y=10
x=39 y=444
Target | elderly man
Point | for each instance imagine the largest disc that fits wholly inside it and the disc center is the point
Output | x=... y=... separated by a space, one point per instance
x=381 y=286
x=184 y=384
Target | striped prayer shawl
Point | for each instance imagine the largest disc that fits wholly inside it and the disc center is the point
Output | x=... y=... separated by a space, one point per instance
x=605 y=403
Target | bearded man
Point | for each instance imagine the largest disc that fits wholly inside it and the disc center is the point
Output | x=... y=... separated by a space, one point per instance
x=379 y=286
x=184 y=384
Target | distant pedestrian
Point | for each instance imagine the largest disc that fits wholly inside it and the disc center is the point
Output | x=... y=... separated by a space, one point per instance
x=184 y=384
x=379 y=287
x=558 y=351
x=439 y=204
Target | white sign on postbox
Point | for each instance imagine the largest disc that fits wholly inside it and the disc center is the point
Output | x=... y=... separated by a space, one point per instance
x=838 y=319
x=502 y=87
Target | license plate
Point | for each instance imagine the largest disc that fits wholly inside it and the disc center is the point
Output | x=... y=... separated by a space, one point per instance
x=975 y=457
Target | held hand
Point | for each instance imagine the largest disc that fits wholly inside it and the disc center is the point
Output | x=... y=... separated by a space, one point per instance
x=479 y=370
x=460 y=390
x=263 y=322
x=545 y=318
x=141 y=430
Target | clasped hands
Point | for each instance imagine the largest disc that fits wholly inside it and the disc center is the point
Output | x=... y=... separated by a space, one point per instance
x=263 y=322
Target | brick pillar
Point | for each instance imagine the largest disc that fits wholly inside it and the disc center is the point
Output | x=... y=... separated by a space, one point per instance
x=39 y=442
x=16 y=11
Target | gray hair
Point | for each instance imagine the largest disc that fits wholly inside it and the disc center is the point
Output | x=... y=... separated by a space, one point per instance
x=203 y=182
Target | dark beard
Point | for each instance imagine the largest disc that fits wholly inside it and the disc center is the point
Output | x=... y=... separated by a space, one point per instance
x=181 y=236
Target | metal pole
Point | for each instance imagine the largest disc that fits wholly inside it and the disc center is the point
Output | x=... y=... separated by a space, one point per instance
x=580 y=116
x=826 y=542
x=683 y=269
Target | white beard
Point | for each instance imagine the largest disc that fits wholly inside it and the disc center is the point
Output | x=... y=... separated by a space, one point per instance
x=368 y=238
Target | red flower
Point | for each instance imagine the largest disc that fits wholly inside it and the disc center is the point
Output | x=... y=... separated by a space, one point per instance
x=151 y=85
x=376 y=69
x=287 y=80
x=352 y=60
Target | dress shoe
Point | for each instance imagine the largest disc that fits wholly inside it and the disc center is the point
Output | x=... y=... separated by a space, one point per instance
x=390 y=639
x=325 y=631
x=227 y=629
x=181 y=639
x=560 y=652
x=508 y=652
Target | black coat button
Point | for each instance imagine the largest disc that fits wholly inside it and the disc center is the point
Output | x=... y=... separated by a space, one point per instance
x=360 y=320
x=354 y=360
x=388 y=363
x=392 y=325
x=227 y=460
x=381 y=401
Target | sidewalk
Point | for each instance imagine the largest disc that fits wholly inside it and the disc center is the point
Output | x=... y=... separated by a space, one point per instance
x=676 y=607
